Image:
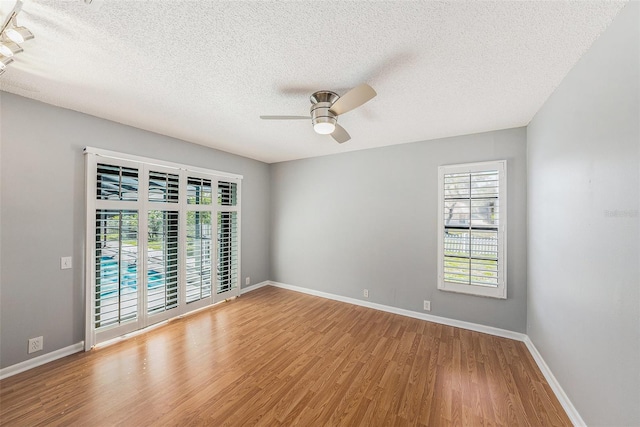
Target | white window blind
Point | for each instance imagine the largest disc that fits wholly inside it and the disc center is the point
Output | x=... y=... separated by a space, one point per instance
x=162 y=260
x=227 y=268
x=472 y=203
x=198 y=191
x=163 y=187
x=116 y=267
x=227 y=193
x=227 y=251
x=198 y=255
x=116 y=183
x=199 y=238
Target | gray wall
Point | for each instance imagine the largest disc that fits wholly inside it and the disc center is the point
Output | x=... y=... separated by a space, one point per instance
x=42 y=215
x=583 y=166
x=368 y=219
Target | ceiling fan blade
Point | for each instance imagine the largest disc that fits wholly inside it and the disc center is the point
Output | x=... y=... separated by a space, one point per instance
x=285 y=117
x=340 y=134
x=353 y=99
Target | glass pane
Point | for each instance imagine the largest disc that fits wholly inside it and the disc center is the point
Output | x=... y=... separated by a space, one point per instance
x=227 y=193
x=116 y=183
x=484 y=184
x=198 y=191
x=484 y=258
x=456 y=270
x=116 y=296
x=162 y=261
x=471 y=257
x=198 y=260
x=456 y=213
x=484 y=212
x=484 y=272
x=163 y=187
x=456 y=243
x=484 y=244
x=456 y=186
x=227 y=251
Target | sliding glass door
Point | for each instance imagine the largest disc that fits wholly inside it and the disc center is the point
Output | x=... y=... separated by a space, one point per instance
x=162 y=241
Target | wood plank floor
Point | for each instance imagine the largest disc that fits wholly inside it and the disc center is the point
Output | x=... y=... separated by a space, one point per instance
x=277 y=357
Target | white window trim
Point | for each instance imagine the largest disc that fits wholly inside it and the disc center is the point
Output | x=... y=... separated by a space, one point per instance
x=155 y=162
x=144 y=163
x=486 y=291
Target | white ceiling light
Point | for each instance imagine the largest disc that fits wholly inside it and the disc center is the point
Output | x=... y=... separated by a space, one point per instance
x=18 y=34
x=9 y=48
x=4 y=61
x=324 y=128
x=10 y=35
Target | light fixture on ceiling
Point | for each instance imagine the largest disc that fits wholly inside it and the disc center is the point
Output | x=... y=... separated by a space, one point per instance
x=4 y=61
x=324 y=128
x=10 y=35
x=18 y=34
x=323 y=119
x=9 y=48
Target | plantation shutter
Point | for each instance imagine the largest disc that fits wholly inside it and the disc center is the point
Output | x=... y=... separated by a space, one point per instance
x=199 y=239
x=227 y=267
x=472 y=233
x=471 y=227
x=115 y=182
x=162 y=241
x=162 y=261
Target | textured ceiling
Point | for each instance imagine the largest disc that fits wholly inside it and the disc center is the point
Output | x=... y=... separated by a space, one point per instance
x=203 y=71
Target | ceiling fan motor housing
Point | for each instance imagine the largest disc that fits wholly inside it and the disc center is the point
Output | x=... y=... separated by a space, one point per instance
x=321 y=103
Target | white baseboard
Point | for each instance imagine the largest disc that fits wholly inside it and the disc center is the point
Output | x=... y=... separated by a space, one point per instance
x=40 y=360
x=401 y=311
x=571 y=410
x=254 y=287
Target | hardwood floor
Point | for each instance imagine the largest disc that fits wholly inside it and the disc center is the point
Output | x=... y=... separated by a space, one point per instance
x=277 y=357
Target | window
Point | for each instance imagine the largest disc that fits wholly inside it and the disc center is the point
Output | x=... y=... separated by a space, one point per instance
x=227 y=237
x=154 y=235
x=116 y=183
x=472 y=216
x=163 y=187
x=162 y=260
x=198 y=255
x=227 y=250
x=116 y=257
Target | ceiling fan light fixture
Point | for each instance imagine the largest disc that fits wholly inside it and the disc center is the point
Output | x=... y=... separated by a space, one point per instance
x=10 y=35
x=18 y=34
x=4 y=61
x=324 y=128
x=323 y=120
x=9 y=48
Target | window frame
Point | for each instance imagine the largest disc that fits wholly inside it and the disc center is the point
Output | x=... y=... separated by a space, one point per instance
x=499 y=291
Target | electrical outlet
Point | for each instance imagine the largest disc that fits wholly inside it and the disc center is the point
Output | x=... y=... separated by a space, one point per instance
x=247 y=281
x=427 y=305
x=65 y=262
x=365 y=293
x=35 y=344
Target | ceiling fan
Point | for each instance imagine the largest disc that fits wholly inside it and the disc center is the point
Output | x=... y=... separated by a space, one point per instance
x=326 y=106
